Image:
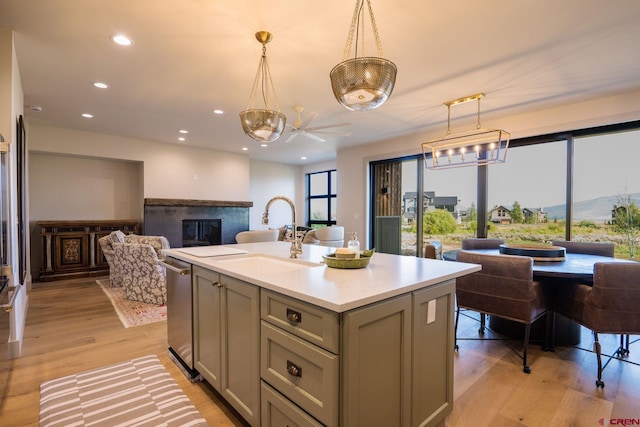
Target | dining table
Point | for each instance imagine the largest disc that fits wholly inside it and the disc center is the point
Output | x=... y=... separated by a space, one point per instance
x=572 y=268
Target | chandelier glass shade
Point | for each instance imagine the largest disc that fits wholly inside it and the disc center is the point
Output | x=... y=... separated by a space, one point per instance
x=474 y=147
x=263 y=124
x=362 y=83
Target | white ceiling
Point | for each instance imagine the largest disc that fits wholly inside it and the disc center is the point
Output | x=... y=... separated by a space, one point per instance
x=191 y=56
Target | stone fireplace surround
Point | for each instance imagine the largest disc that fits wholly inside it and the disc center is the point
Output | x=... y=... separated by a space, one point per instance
x=163 y=217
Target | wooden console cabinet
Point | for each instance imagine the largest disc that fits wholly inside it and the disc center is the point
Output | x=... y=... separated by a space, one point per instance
x=70 y=248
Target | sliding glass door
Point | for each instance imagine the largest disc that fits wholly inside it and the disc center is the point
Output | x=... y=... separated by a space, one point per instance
x=450 y=206
x=413 y=206
x=582 y=185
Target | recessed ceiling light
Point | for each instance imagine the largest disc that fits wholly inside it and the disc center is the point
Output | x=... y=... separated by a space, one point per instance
x=218 y=112
x=121 y=39
x=183 y=131
x=245 y=149
x=303 y=158
x=87 y=115
x=101 y=85
x=182 y=138
x=264 y=145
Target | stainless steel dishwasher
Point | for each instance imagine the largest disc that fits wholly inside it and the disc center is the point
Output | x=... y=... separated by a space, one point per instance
x=180 y=314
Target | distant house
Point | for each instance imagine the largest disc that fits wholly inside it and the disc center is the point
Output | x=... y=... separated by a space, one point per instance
x=430 y=202
x=447 y=203
x=622 y=212
x=533 y=215
x=500 y=215
x=617 y=210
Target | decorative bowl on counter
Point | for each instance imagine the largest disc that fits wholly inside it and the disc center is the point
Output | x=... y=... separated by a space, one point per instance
x=335 y=262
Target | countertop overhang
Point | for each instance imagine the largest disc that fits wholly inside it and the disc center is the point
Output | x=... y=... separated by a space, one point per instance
x=335 y=289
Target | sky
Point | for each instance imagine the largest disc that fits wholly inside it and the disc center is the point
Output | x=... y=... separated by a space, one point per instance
x=535 y=176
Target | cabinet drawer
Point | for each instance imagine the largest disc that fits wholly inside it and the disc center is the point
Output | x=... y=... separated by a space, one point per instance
x=309 y=322
x=278 y=411
x=304 y=373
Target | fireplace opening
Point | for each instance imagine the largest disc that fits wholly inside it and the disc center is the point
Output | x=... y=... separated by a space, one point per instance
x=201 y=232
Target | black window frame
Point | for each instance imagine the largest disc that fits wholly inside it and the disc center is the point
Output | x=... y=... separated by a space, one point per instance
x=330 y=197
x=482 y=182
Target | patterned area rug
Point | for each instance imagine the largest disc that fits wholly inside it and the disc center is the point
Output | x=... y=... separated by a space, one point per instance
x=132 y=313
x=138 y=392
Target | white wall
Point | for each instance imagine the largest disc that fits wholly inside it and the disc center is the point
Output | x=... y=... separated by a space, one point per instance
x=275 y=179
x=68 y=163
x=77 y=175
x=352 y=163
x=319 y=167
x=11 y=106
x=81 y=188
x=63 y=187
x=170 y=171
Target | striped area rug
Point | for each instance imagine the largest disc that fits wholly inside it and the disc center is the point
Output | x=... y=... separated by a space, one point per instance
x=138 y=392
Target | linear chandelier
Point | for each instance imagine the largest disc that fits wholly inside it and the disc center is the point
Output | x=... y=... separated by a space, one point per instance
x=362 y=83
x=478 y=146
x=264 y=125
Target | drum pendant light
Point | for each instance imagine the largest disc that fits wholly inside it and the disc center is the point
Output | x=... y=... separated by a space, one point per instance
x=264 y=125
x=362 y=83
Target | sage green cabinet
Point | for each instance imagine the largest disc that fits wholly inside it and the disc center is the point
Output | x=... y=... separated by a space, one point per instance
x=432 y=354
x=389 y=363
x=226 y=339
x=278 y=411
x=376 y=364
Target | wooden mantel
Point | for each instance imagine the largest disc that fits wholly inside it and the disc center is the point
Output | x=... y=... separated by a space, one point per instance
x=197 y=203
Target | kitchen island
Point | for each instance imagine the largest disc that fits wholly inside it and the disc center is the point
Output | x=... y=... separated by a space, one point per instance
x=292 y=341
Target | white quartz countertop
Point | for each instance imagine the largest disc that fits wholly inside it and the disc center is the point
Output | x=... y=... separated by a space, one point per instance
x=307 y=278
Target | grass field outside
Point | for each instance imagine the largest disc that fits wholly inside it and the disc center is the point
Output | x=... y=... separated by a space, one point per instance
x=542 y=233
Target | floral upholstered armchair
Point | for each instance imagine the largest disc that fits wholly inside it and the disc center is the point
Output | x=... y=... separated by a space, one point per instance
x=134 y=265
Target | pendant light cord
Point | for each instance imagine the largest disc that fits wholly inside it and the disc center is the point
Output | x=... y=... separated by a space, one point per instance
x=355 y=29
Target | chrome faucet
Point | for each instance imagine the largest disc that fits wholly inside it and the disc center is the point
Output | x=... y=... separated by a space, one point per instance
x=296 y=245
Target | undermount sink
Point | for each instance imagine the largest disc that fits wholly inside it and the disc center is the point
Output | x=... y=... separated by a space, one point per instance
x=263 y=264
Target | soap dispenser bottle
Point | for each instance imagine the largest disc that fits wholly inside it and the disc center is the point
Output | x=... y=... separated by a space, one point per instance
x=354 y=245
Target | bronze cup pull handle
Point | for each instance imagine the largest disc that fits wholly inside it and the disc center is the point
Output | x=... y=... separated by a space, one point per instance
x=293 y=369
x=293 y=316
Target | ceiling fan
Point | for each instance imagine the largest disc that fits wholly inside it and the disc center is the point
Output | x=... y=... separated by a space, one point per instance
x=301 y=126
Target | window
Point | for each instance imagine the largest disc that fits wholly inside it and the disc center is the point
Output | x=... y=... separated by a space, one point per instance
x=449 y=209
x=414 y=207
x=529 y=191
x=606 y=189
x=581 y=185
x=321 y=198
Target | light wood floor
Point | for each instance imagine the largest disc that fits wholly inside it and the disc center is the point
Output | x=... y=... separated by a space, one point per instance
x=72 y=327
x=490 y=388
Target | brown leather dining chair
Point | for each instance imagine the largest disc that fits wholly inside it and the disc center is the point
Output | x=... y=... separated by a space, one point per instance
x=481 y=243
x=606 y=249
x=504 y=288
x=592 y=248
x=430 y=251
x=610 y=306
